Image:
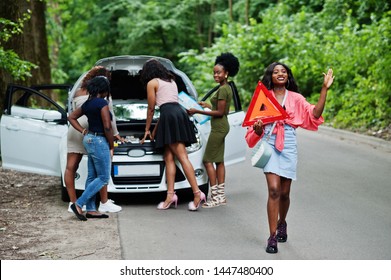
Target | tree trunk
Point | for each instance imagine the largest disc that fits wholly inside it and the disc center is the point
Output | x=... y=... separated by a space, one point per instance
x=35 y=42
x=8 y=10
x=31 y=45
x=230 y=10
x=247 y=11
x=211 y=25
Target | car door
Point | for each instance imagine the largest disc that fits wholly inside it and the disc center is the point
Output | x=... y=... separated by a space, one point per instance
x=235 y=144
x=31 y=128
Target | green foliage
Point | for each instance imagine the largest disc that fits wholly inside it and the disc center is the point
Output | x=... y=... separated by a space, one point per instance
x=10 y=62
x=352 y=37
x=92 y=29
x=310 y=41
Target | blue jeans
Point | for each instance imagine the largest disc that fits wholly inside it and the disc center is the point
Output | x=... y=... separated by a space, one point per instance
x=99 y=165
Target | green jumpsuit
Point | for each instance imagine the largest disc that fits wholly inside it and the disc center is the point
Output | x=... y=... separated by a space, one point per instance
x=214 y=151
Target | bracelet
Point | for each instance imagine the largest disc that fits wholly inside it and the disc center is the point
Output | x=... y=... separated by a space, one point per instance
x=83 y=132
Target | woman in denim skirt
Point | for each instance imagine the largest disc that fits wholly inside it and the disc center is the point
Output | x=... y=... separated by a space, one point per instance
x=281 y=167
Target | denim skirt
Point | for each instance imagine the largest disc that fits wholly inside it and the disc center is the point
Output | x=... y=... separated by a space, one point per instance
x=283 y=163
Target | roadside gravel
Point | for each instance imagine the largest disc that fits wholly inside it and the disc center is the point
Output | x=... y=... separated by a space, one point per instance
x=35 y=223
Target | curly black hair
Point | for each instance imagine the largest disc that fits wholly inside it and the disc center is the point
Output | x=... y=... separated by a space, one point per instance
x=94 y=72
x=267 y=77
x=97 y=85
x=229 y=62
x=155 y=69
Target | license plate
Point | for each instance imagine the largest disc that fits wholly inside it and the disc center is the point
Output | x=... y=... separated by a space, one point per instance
x=136 y=170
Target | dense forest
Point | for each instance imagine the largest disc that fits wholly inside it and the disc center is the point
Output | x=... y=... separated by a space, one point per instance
x=351 y=36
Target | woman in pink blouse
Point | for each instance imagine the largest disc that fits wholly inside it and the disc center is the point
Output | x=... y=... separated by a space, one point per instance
x=281 y=168
x=174 y=131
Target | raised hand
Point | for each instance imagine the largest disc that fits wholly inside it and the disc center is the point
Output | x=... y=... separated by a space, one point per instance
x=328 y=78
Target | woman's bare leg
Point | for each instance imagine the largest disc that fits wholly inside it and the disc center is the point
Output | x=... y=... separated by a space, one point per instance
x=73 y=160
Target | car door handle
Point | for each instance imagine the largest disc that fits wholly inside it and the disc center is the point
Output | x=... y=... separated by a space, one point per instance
x=13 y=128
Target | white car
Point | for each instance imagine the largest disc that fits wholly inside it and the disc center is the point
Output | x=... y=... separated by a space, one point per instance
x=34 y=132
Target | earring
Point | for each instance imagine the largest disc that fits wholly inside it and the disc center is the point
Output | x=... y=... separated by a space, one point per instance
x=226 y=76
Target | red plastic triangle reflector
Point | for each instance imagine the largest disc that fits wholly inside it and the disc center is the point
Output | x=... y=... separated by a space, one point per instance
x=263 y=106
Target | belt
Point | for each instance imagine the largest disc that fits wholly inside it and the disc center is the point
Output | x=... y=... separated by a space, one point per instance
x=96 y=133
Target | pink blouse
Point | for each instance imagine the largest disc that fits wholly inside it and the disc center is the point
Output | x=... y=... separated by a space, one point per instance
x=300 y=114
x=166 y=93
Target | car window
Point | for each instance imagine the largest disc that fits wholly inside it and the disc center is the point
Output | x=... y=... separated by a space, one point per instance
x=25 y=102
x=58 y=95
x=35 y=104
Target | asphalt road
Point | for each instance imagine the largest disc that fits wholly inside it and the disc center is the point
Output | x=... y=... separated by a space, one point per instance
x=340 y=210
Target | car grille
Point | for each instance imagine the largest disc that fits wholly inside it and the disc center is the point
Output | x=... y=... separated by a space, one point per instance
x=135 y=175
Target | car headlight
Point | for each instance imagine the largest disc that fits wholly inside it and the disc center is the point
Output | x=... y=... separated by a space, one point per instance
x=195 y=146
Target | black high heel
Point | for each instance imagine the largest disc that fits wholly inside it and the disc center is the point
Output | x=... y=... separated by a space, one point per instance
x=81 y=217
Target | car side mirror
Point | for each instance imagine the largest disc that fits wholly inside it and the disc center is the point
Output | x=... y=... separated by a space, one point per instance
x=52 y=116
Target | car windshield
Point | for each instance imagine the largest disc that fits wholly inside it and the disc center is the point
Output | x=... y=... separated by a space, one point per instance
x=133 y=111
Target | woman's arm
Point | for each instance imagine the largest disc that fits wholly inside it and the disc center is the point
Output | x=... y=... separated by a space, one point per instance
x=254 y=133
x=327 y=82
x=205 y=105
x=114 y=122
x=108 y=130
x=221 y=103
x=154 y=130
x=72 y=118
x=152 y=87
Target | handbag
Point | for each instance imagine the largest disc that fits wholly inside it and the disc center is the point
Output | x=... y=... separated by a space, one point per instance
x=263 y=150
x=262 y=154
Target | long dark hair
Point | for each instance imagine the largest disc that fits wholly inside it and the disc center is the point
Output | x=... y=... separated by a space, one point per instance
x=267 y=77
x=154 y=69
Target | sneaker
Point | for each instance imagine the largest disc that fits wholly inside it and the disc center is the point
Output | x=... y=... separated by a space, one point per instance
x=109 y=206
x=282 y=234
x=70 y=209
x=272 y=245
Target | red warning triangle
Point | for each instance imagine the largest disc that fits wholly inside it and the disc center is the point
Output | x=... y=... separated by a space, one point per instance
x=263 y=106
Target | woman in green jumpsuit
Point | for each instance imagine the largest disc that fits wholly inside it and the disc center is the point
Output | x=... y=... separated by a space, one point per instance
x=226 y=65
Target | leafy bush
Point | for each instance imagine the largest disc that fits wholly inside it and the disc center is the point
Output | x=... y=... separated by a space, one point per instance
x=309 y=43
